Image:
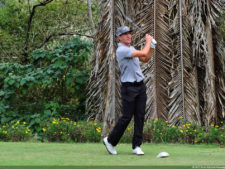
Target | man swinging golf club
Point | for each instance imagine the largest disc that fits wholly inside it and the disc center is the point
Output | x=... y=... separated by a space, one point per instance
x=133 y=90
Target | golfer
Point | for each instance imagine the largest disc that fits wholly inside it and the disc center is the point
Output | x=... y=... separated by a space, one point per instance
x=133 y=90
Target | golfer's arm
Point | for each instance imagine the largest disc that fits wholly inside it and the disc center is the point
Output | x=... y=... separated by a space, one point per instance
x=144 y=54
x=149 y=56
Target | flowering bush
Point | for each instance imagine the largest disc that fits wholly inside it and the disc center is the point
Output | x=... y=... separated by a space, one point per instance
x=15 y=132
x=3 y=134
x=66 y=130
x=186 y=132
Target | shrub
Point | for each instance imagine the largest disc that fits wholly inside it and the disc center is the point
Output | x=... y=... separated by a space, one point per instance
x=15 y=132
x=3 y=134
x=51 y=85
x=65 y=130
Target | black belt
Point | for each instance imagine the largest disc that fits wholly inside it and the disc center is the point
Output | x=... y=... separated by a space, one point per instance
x=132 y=83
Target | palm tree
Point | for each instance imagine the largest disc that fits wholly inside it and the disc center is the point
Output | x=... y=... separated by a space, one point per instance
x=185 y=78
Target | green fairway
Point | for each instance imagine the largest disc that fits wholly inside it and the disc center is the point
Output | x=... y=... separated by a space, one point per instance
x=95 y=154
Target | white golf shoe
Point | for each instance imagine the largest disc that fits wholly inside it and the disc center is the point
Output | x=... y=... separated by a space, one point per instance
x=110 y=148
x=138 y=151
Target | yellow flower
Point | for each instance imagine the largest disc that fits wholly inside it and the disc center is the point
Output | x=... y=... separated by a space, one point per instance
x=54 y=122
x=221 y=135
x=181 y=117
x=196 y=141
x=98 y=129
x=101 y=135
x=217 y=126
x=194 y=130
x=212 y=125
x=44 y=129
x=27 y=132
x=188 y=127
x=5 y=132
x=18 y=122
x=186 y=130
x=95 y=124
x=181 y=131
x=221 y=121
x=128 y=128
x=3 y=126
x=24 y=122
x=166 y=121
x=173 y=126
x=61 y=132
x=74 y=123
x=13 y=127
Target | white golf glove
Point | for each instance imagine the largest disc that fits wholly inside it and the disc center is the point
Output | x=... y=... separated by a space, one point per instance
x=153 y=43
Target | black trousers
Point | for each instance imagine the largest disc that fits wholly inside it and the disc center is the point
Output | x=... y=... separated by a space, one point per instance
x=134 y=102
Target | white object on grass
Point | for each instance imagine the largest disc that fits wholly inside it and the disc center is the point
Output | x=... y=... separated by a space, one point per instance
x=162 y=155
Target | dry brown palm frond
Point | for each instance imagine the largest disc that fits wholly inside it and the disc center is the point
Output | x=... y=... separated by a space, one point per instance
x=180 y=78
x=201 y=22
x=99 y=88
x=184 y=100
x=157 y=70
x=219 y=57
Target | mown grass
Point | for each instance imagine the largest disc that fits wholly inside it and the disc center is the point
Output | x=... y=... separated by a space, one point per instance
x=95 y=154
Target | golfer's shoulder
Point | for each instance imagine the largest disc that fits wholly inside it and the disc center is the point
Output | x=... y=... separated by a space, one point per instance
x=124 y=50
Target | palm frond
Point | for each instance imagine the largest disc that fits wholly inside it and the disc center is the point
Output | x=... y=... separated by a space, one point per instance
x=180 y=77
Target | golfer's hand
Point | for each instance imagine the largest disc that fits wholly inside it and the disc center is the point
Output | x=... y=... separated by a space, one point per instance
x=148 y=39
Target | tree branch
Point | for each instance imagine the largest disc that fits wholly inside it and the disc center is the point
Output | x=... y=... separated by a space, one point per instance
x=63 y=34
x=90 y=16
x=30 y=22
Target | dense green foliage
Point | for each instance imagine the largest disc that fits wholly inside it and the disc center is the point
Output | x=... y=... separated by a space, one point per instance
x=52 y=85
x=43 y=70
x=50 y=24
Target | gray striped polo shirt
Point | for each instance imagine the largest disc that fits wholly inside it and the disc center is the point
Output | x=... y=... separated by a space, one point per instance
x=129 y=66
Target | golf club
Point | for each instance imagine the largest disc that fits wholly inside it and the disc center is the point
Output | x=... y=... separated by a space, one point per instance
x=153 y=43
